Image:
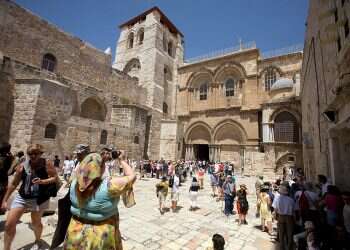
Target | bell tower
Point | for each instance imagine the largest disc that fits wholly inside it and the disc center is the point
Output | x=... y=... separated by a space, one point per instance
x=150 y=47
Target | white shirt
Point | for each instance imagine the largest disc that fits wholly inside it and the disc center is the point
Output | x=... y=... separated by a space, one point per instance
x=312 y=198
x=283 y=205
x=176 y=184
x=324 y=188
x=346 y=215
x=68 y=166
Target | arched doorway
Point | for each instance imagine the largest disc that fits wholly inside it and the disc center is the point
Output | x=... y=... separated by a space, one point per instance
x=229 y=139
x=198 y=140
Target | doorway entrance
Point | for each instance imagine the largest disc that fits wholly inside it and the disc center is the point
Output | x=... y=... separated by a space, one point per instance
x=201 y=152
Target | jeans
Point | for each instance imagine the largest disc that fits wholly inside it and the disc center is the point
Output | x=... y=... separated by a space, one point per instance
x=228 y=204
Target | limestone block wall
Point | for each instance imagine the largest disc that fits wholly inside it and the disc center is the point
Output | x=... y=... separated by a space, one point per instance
x=7 y=94
x=168 y=140
x=23 y=116
x=27 y=38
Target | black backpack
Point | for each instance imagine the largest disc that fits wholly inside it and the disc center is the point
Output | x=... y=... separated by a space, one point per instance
x=171 y=181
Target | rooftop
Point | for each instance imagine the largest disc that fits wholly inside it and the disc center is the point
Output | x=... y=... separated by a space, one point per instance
x=163 y=19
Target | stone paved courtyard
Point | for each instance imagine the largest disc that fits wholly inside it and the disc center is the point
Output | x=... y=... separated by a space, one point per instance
x=143 y=227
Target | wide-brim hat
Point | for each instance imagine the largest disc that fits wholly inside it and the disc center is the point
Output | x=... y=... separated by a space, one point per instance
x=243 y=186
x=81 y=148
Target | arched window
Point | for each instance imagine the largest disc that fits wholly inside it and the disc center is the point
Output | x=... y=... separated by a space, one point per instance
x=270 y=78
x=170 y=48
x=286 y=128
x=141 y=35
x=92 y=109
x=203 y=91
x=165 y=108
x=103 y=138
x=131 y=40
x=230 y=87
x=49 y=62
x=136 y=139
x=50 y=131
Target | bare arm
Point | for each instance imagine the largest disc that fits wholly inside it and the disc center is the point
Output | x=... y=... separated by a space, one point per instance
x=16 y=180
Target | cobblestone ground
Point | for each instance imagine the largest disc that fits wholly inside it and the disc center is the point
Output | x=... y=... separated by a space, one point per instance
x=143 y=227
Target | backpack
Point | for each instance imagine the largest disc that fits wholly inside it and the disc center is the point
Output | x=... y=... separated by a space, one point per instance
x=303 y=202
x=171 y=181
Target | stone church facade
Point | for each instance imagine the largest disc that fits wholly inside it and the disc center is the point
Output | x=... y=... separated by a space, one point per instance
x=238 y=106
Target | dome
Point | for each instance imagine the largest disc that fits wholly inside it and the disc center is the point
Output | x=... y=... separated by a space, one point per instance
x=282 y=84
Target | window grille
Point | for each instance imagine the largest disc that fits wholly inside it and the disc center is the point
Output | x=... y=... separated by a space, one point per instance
x=286 y=128
x=49 y=62
x=104 y=135
x=50 y=131
x=230 y=87
x=270 y=78
x=203 y=92
x=136 y=139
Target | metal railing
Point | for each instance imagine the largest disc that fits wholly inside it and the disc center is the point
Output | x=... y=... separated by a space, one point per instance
x=223 y=52
x=282 y=51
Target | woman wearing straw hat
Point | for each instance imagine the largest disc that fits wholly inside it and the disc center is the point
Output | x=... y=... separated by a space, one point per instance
x=264 y=202
x=242 y=204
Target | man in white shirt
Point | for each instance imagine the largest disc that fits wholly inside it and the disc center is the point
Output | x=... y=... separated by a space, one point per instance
x=324 y=184
x=284 y=208
x=175 y=192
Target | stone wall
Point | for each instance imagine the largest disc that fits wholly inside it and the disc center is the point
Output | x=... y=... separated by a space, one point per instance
x=7 y=95
x=83 y=78
x=325 y=88
x=27 y=38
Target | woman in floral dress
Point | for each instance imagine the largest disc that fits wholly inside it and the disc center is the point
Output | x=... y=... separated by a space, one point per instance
x=95 y=217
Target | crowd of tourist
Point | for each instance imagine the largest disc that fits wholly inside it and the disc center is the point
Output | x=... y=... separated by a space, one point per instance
x=308 y=215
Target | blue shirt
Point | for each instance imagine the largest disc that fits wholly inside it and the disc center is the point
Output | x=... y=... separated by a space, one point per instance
x=99 y=207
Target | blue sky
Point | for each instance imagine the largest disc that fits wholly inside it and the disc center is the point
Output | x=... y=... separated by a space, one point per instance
x=208 y=25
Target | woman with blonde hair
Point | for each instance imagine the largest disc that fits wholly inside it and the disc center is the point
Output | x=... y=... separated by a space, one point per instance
x=95 y=217
x=36 y=175
x=265 y=203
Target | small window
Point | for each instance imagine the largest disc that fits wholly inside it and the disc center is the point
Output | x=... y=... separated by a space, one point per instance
x=230 y=87
x=170 y=48
x=136 y=139
x=346 y=28
x=165 y=108
x=342 y=2
x=339 y=44
x=50 y=131
x=178 y=146
x=141 y=36
x=291 y=158
x=131 y=40
x=49 y=62
x=270 y=78
x=104 y=135
x=336 y=15
x=203 y=91
x=165 y=43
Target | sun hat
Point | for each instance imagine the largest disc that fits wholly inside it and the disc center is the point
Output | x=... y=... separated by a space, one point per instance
x=81 y=148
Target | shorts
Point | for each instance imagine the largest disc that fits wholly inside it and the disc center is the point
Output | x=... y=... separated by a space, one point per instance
x=175 y=196
x=29 y=204
x=162 y=197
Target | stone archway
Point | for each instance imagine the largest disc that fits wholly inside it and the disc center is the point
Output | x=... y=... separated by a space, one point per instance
x=229 y=139
x=284 y=162
x=93 y=108
x=198 y=139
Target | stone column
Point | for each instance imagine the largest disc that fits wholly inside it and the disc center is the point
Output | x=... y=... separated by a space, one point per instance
x=186 y=152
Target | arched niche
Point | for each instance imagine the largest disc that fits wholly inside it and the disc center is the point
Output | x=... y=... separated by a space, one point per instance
x=93 y=108
x=198 y=133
